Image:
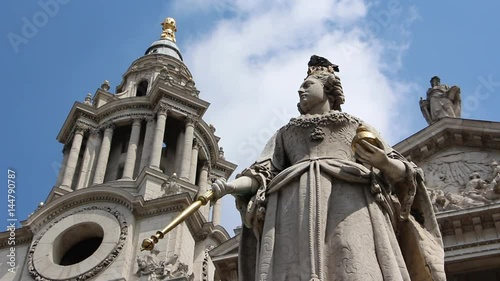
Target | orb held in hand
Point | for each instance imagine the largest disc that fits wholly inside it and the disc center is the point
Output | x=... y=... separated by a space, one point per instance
x=363 y=134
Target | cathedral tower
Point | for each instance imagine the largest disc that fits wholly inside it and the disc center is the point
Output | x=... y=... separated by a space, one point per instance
x=132 y=160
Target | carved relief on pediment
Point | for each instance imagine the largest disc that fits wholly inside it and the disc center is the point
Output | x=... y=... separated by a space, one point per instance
x=462 y=178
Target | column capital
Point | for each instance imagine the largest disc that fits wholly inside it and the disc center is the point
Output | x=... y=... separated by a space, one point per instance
x=162 y=109
x=95 y=131
x=80 y=130
x=81 y=127
x=109 y=125
x=136 y=120
x=191 y=120
x=205 y=166
x=149 y=119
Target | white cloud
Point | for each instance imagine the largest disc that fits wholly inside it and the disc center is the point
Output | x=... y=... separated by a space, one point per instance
x=249 y=66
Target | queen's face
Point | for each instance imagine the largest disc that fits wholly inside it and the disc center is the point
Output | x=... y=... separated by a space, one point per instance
x=311 y=94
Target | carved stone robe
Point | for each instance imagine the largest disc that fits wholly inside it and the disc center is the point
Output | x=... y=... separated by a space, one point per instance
x=443 y=102
x=320 y=215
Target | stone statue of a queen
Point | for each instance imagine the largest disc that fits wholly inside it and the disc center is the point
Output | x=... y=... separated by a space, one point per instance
x=315 y=206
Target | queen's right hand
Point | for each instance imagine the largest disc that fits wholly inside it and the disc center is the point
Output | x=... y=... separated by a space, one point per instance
x=221 y=188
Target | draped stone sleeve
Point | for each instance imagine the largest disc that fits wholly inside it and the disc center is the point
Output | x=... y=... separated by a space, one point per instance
x=420 y=239
x=252 y=207
x=270 y=163
x=419 y=236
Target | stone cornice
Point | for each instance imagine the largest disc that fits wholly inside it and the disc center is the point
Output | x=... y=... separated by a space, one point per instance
x=110 y=110
x=467 y=220
x=225 y=167
x=76 y=199
x=105 y=193
x=148 y=172
x=180 y=103
x=474 y=228
x=88 y=117
x=494 y=242
x=447 y=132
x=178 y=97
x=106 y=96
x=78 y=110
x=227 y=247
x=23 y=236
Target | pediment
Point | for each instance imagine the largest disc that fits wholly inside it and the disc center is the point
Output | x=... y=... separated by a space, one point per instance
x=450 y=169
x=449 y=132
x=458 y=158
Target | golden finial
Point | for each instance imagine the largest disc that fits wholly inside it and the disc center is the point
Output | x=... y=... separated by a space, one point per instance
x=169 y=29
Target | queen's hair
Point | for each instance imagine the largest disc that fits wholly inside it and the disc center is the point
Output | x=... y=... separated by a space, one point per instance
x=332 y=87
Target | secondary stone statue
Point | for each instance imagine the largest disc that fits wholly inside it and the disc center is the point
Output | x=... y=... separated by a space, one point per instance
x=442 y=101
x=313 y=209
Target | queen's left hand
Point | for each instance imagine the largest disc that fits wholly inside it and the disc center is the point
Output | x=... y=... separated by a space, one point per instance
x=367 y=153
x=371 y=155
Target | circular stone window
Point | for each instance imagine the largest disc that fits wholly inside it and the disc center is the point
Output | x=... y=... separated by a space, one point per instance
x=82 y=242
x=77 y=243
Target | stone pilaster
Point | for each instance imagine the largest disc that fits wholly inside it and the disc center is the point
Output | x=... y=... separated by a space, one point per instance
x=194 y=161
x=148 y=140
x=161 y=119
x=65 y=152
x=203 y=184
x=216 y=212
x=178 y=152
x=102 y=160
x=69 y=170
x=187 y=148
x=93 y=142
x=128 y=170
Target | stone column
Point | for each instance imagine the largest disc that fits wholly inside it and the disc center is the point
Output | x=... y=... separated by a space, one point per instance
x=65 y=152
x=88 y=156
x=194 y=162
x=187 y=148
x=69 y=170
x=128 y=170
x=178 y=152
x=203 y=184
x=155 y=158
x=148 y=140
x=102 y=160
x=216 y=212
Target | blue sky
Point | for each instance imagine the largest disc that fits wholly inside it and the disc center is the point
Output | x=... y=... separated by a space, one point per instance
x=244 y=55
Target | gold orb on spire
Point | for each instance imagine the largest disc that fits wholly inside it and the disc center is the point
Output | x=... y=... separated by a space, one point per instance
x=169 y=29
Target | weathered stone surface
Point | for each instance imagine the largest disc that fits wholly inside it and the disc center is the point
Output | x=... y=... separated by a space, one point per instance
x=461 y=177
x=314 y=210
